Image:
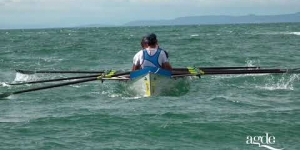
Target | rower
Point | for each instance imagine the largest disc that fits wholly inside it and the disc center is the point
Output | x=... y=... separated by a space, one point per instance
x=151 y=55
x=144 y=45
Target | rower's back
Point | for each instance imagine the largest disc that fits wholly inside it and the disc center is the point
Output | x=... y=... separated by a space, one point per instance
x=152 y=56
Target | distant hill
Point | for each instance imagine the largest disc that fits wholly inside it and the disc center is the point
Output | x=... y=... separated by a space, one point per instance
x=195 y=20
x=97 y=25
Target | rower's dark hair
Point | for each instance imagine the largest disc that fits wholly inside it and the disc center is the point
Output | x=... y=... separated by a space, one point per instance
x=151 y=39
x=143 y=42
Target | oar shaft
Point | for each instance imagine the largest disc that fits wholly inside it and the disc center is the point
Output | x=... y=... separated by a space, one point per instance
x=97 y=72
x=3 y=95
x=53 y=80
x=55 y=85
x=56 y=71
x=216 y=68
x=259 y=71
x=66 y=83
x=255 y=71
x=228 y=67
x=66 y=78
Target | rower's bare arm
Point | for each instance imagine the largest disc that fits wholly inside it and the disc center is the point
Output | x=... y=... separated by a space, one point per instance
x=167 y=66
x=135 y=67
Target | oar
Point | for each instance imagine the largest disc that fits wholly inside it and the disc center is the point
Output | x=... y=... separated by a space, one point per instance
x=228 y=67
x=3 y=95
x=215 y=68
x=61 y=79
x=258 y=71
x=219 y=72
x=54 y=80
x=97 y=72
x=55 y=71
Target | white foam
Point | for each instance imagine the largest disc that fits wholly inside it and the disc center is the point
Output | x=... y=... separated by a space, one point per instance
x=130 y=98
x=115 y=95
x=75 y=86
x=194 y=35
x=24 y=77
x=275 y=33
x=282 y=84
x=237 y=76
x=51 y=59
x=251 y=63
x=295 y=33
x=288 y=33
x=6 y=120
x=4 y=84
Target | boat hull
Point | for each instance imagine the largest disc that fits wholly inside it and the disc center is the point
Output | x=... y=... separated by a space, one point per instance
x=151 y=84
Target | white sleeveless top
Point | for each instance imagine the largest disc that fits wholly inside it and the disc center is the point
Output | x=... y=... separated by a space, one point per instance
x=138 y=59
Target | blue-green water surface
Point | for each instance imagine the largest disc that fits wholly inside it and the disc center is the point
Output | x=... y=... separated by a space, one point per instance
x=217 y=112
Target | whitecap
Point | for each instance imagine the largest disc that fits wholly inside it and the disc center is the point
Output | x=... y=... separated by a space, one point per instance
x=194 y=35
x=285 y=83
x=7 y=120
x=251 y=63
x=295 y=33
x=274 y=33
x=115 y=95
x=24 y=77
x=4 y=84
x=130 y=98
x=287 y=33
x=238 y=75
x=75 y=86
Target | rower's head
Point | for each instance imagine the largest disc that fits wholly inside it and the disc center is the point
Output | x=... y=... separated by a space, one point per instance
x=151 y=40
x=144 y=42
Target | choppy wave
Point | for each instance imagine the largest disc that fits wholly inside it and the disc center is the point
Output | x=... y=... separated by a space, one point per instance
x=24 y=77
x=275 y=33
x=293 y=33
x=284 y=83
x=213 y=107
x=252 y=63
x=194 y=35
x=237 y=76
x=3 y=84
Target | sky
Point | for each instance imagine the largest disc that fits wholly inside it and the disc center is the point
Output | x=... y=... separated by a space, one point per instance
x=70 y=13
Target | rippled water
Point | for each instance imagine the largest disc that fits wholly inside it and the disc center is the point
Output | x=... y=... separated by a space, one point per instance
x=216 y=112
